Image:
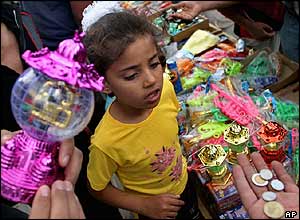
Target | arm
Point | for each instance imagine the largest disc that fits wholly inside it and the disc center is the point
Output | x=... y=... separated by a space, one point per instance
x=77 y=9
x=118 y=198
x=193 y=8
x=258 y=30
x=10 y=53
x=159 y=206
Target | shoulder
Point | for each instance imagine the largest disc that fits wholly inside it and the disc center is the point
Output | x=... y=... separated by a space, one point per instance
x=168 y=87
x=168 y=94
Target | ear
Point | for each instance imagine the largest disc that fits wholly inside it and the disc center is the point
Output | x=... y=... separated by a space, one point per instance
x=106 y=89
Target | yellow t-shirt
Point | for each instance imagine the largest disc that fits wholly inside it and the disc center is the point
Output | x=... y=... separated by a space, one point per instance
x=146 y=156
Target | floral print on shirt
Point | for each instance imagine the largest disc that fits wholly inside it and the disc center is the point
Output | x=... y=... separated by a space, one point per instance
x=163 y=159
x=177 y=169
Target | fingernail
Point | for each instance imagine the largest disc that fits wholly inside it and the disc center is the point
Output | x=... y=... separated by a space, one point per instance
x=66 y=160
x=45 y=191
x=59 y=185
x=69 y=186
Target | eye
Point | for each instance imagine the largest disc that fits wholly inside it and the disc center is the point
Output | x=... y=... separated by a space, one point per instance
x=154 y=65
x=130 y=77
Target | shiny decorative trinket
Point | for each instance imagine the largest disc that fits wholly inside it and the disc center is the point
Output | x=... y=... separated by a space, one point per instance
x=213 y=156
x=237 y=136
x=272 y=132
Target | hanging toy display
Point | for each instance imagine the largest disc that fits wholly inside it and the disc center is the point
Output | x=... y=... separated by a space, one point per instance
x=52 y=100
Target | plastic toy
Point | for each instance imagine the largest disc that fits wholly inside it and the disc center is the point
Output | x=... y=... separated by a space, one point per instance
x=51 y=101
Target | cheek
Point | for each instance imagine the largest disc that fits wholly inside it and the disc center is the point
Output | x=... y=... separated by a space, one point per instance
x=159 y=74
x=125 y=91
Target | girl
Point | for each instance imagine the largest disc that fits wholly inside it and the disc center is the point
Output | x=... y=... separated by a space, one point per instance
x=137 y=137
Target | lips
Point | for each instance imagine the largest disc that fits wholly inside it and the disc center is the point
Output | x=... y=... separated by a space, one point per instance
x=153 y=96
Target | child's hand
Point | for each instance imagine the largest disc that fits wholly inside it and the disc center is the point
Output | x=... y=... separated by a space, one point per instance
x=164 y=206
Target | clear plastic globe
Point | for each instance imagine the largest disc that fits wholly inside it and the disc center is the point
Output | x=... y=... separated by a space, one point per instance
x=50 y=110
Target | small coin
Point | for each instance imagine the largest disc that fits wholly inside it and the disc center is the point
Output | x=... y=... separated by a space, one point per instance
x=266 y=174
x=258 y=181
x=273 y=209
x=277 y=185
x=269 y=196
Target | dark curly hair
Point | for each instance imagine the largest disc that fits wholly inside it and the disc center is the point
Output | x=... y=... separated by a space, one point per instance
x=107 y=38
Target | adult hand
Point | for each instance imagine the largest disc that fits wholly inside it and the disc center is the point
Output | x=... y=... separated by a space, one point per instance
x=251 y=195
x=163 y=206
x=58 y=202
x=260 y=31
x=6 y=135
x=190 y=9
x=69 y=157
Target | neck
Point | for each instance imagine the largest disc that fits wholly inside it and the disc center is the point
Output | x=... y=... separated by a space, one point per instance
x=127 y=114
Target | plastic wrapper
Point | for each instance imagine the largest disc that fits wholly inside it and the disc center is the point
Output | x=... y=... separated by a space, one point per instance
x=264 y=64
x=185 y=66
x=211 y=66
x=260 y=82
x=197 y=76
x=210 y=132
x=231 y=67
x=231 y=51
x=240 y=45
x=275 y=109
x=183 y=120
x=184 y=61
x=200 y=101
x=212 y=55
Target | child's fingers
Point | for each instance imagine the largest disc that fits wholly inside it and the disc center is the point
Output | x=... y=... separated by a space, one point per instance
x=41 y=204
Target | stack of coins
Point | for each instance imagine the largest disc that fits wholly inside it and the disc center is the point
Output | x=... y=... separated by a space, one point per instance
x=272 y=208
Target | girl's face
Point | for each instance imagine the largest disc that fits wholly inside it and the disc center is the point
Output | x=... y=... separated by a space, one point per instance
x=136 y=78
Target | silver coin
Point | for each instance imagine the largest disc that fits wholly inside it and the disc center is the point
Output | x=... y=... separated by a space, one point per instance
x=258 y=181
x=269 y=196
x=277 y=185
x=266 y=174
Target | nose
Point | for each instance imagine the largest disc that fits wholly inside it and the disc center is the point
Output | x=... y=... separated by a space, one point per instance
x=149 y=79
